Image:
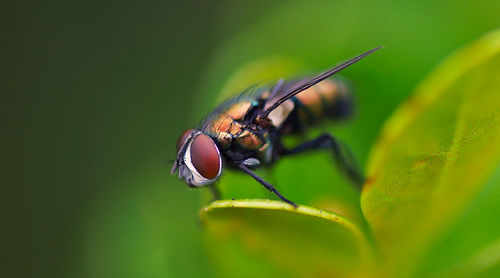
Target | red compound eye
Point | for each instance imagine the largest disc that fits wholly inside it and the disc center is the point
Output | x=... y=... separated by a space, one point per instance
x=205 y=156
x=182 y=139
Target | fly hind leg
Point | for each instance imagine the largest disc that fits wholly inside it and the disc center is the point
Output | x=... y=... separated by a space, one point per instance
x=342 y=155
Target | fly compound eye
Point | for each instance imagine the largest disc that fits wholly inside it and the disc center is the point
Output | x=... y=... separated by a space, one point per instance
x=182 y=139
x=205 y=157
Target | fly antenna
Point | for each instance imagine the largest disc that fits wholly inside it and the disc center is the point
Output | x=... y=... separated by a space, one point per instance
x=315 y=81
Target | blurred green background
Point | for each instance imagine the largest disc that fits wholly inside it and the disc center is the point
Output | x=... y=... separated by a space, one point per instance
x=94 y=95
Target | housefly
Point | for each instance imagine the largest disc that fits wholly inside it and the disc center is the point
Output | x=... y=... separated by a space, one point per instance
x=245 y=132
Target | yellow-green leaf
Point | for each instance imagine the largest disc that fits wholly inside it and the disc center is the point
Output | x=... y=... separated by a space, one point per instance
x=434 y=154
x=257 y=238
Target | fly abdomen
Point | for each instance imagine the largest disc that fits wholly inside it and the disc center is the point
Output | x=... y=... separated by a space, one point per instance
x=328 y=99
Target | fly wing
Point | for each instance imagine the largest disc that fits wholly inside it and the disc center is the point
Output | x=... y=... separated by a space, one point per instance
x=277 y=105
x=296 y=89
x=281 y=89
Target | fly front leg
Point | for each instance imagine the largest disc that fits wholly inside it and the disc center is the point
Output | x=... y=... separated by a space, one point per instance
x=343 y=157
x=267 y=185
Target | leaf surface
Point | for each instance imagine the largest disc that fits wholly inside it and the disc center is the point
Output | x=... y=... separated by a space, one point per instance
x=271 y=238
x=434 y=154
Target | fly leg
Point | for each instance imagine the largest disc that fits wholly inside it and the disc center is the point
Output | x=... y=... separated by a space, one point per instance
x=343 y=157
x=267 y=185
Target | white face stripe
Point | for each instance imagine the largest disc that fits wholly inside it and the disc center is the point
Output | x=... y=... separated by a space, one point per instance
x=196 y=178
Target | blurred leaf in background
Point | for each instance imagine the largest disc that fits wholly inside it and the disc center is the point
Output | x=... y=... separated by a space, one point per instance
x=435 y=154
x=96 y=95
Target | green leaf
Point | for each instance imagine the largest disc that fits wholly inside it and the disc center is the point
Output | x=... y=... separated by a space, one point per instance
x=472 y=247
x=248 y=238
x=435 y=154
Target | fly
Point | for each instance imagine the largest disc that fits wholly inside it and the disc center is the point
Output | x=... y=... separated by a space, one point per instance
x=245 y=132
